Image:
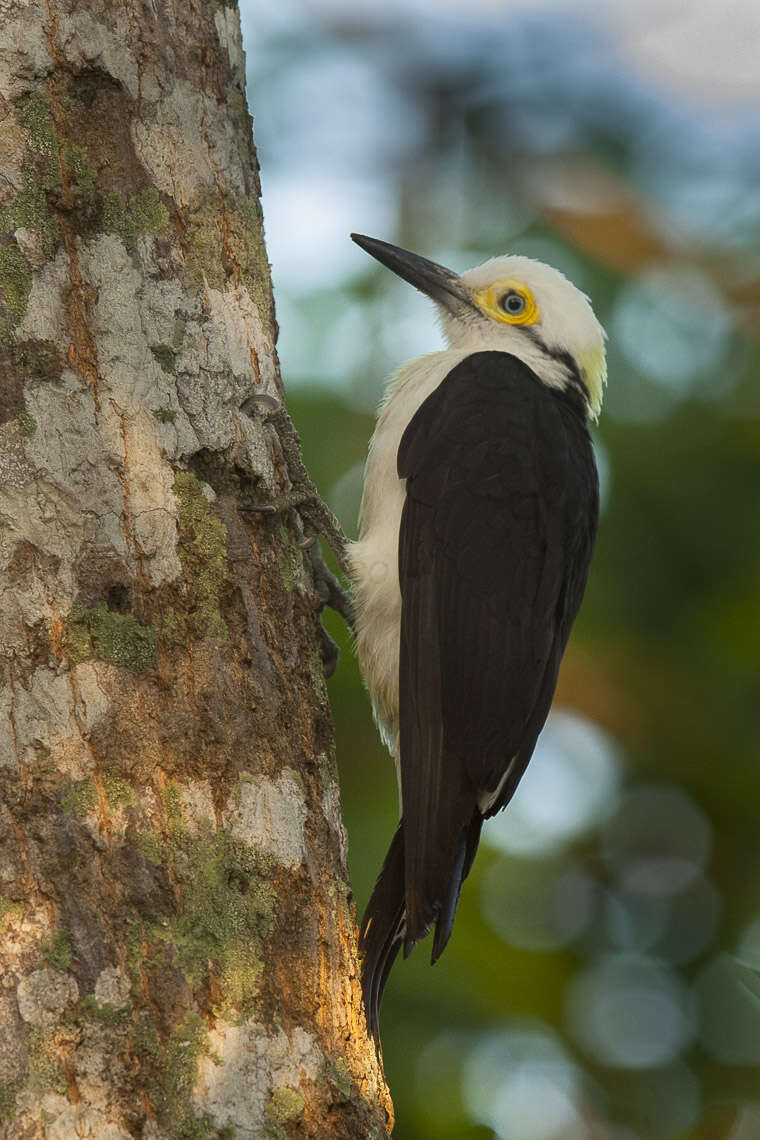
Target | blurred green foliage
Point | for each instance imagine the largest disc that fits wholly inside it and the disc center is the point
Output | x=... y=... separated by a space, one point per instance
x=644 y=1022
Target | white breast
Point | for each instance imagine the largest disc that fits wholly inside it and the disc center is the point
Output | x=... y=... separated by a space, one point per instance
x=374 y=558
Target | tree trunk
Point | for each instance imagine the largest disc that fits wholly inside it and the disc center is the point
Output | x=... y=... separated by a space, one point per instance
x=178 y=954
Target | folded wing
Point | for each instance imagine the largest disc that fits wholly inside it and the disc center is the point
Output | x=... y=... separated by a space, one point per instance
x=495 y=542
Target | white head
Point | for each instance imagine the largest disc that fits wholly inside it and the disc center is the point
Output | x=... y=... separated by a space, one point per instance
x=512 y=304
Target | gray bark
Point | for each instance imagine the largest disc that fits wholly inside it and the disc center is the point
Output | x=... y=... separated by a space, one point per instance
x=177 y=954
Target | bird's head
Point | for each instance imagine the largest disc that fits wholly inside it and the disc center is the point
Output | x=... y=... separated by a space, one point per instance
x=513 y=304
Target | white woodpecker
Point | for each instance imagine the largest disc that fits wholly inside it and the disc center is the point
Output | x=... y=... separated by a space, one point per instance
x=477 y=524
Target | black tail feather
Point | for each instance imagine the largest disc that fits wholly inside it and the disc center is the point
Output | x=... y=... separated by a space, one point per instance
x=462 y=865
x=383 y=926
x=382 y=931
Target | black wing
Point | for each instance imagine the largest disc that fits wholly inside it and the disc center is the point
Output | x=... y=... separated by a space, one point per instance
x=495 y=543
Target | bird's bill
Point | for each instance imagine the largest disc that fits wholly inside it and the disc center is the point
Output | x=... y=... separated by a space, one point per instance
x=437 y=282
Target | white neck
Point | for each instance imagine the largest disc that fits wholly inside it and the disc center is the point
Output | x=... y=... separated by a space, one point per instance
x=477 y=338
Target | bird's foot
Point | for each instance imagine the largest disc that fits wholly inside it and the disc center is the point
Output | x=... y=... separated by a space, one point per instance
x=278 y=504
x=330 y=590
x=317 y=518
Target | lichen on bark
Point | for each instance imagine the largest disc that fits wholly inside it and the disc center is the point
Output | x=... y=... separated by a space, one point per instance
x=203 y=553
x=113 y=637
x=228 y=910
x=143 y=212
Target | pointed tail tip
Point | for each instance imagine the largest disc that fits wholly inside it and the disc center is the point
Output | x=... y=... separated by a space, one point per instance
x=379 y=954
x=381 y=932
x=459 y=872
x=371 y=1013
x=370 y=996
x=440 y=943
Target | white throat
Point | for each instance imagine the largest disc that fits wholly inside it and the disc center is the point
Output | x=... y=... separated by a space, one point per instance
x=476 y=336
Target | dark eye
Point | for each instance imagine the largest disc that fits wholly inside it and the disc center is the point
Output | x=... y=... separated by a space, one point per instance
x=513 y=304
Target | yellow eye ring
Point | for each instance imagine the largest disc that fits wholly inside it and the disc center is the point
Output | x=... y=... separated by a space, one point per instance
x=502 y=302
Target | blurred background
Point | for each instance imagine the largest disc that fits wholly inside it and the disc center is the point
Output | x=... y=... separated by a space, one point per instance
x=602 y=981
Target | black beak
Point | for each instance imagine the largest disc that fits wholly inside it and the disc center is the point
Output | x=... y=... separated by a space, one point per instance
x=434 y=280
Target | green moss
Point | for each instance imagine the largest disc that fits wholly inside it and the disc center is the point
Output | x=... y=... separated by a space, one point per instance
x=119 y=792
x=238 y=106
x=36 y=118
x=228 y=909
x=151 y=846
x=81 y=175
x=174 y=628
x=296 y=775
x=339 y=1075
x=80 y=797
x=9 y=1090
x=166 y=357
x=129 y=217
x=103 y=1012
x=41 y=174
x=178 y=1064
x=27 y=424
x=15 y=281
x=291 y=567
x=10 y=912
x=203 y=553
x=316 y=667
x=291 y=560
x=285 y=1104
x=187 y=1044
x=111 y=636
x=327 y=769
x=145 y=1035
x=172 y=799
x=171 y=1070
x=165 y=415
x=147 y=210
x=43 y=766
x=56 y=951
x=226 y=233
x=77 y=640
x=246 y=237
x=227 y=912
x=37 y=360
x=30 y=210
x=44 y=1068
x=205 y=240
x=116 y=220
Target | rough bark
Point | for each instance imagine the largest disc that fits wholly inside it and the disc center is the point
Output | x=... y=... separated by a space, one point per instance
x=178 y=952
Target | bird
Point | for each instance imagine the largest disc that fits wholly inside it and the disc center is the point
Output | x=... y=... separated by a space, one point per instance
x=477 y=523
